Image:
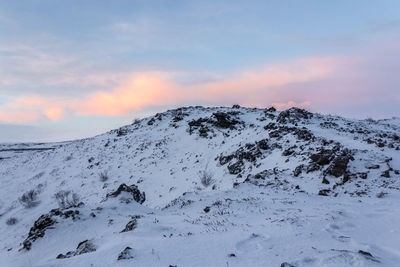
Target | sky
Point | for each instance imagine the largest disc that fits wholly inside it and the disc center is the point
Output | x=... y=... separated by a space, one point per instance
x=74 y=69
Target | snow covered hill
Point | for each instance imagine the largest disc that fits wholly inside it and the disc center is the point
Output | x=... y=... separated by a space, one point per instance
x=207 y=187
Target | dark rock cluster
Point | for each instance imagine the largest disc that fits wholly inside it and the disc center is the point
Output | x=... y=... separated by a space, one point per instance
x=126 y=254
x=133 y=190
x=220 y=120
x=278 y=131
x=44 y=222
x=82 y=248
x=250 y=152
x=293 y=115
x=131 y=225
x=338 y=167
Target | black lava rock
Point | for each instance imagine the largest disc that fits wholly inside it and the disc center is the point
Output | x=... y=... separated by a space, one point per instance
x=131 y=225
x=339 y=165
x=82 y=248
x=38 y=229
x=126 y=254
x=324 y=192
x=224 y=120
x=298 y=170
x=138 y=196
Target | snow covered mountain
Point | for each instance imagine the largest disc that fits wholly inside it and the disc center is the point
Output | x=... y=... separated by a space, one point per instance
x=207 y=187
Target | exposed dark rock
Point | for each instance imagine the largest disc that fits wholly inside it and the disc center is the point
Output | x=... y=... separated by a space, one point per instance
x=196 y=123
x=385 y=174
x=38 y=229
x=324 y=157
x=179 y=116
x=287 y=152
x=121 y=132
x=224 y=120
x=363 y=175
x=283 y=116
x=203 y=131
x=293 y=115
x=271 y=126
x=138 y=196
x=263 y=144
x=236 y=168
x=274 y=134
x=262 y=175
x=225 y=159
x=367 y=255
x=381 y=195
x=219 y=120
x=329 y=124
x=298 y=170
x=324 y=192
x=313 y=167
x=250 y=153
x=285 y=264
x=373 y=167
x=303 y=134
x=279 y=131
x=325 y=181
x=380 y=144
x=271 y=109
x=85 y=247
x=126 y=254
x=82 y=248
x=339 y=165
x=206 y=209
x=346 y=178
x=131 y=225
x=44 y=222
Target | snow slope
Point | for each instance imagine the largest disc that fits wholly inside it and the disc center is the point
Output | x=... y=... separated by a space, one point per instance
x=223 y=187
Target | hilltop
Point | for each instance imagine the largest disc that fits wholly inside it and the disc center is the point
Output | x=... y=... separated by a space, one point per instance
x=198 y=186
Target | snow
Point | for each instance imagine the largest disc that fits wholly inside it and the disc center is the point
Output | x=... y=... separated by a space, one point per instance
x=251 y=222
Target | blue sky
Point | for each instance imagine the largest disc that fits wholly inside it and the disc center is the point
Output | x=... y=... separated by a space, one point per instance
x=60 y=61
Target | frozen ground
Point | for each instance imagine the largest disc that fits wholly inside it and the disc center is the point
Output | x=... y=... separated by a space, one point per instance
x=222 y=187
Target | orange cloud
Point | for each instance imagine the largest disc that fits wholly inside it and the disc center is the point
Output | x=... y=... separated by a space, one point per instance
x=18 y=117
x=54 y=113
x=261 y=87
x=143 y=90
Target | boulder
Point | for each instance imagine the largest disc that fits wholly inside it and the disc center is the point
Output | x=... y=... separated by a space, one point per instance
x=126 y=254
x=133 y=190
x=339 y=165
x=83 y=247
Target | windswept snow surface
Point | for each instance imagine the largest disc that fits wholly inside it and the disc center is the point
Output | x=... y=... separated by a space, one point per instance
x=222 y=187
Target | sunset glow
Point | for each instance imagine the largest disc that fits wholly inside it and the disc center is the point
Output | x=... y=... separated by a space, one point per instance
x=133 y=62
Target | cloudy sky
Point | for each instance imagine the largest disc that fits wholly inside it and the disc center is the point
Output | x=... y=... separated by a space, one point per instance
x=71 y=69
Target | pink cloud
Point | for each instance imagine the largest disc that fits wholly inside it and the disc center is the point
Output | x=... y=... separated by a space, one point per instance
x=54 y=113
x=142 y=90
x=18 y=117
x=160 y=89
x=307 y=83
